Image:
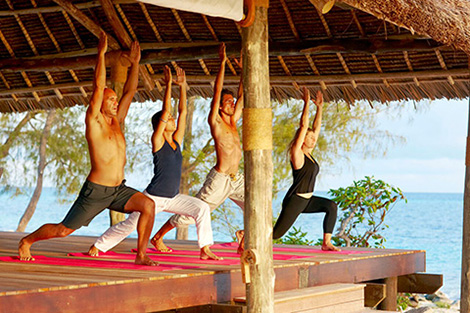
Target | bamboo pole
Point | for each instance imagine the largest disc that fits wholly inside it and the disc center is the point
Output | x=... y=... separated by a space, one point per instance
x=465 y=279
x=257 y=146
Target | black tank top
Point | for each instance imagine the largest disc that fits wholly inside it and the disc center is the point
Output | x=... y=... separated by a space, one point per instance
x=167 y=171
x=304 y=177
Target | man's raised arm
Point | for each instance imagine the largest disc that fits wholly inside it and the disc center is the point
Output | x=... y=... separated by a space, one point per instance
x=99 y=81
x=131 y=83
x=219 y=84
x=239 y=103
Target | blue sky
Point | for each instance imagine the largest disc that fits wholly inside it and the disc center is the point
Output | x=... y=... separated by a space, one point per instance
x=431 y=160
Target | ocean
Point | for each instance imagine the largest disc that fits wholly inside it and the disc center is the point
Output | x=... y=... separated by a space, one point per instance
x=429 y=221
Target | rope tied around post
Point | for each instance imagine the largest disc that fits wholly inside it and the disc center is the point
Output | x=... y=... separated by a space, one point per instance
x=248 y=257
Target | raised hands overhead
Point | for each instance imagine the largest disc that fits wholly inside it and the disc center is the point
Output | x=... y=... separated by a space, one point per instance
x=305 y=94
x=134 y=54
x=103 y=43
x=180 y=77
x=167 y=78
x=222 y=53
x=319 y=100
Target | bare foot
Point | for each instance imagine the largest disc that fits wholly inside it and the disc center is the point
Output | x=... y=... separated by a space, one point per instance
x=94 y=251
x=159 y=245
x=329 y=247
x=24 y=252
x=145 y=260
x=240 y=235
x=207 y=254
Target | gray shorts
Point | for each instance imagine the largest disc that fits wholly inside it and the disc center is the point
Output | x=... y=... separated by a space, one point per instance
x=93 y=199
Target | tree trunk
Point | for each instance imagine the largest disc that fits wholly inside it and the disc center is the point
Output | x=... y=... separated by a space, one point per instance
x=185 y=182
x=28 y=213
x=257 y=146
x=5 y=148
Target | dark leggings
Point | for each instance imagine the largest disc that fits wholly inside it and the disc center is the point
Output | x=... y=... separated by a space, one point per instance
x=294 y=205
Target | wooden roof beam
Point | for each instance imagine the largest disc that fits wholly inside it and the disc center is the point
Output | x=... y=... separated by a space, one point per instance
x=88 y=23
x=315 y=70
x=333 y=80
x=124 y=39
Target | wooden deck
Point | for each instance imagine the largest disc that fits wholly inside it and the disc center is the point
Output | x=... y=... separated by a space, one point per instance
x=30 y=287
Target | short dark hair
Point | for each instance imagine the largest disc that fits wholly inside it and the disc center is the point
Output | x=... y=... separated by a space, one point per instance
x=225 y=91
x=156 y=119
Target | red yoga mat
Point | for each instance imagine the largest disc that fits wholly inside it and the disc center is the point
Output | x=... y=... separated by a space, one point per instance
x=310 y=249
x=167 y=257
x=39 y=259
x=225 y=254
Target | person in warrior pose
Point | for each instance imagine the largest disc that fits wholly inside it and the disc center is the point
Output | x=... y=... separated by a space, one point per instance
x=224 y=180
x=104 y=187
x=299 y=197
x=164 y=186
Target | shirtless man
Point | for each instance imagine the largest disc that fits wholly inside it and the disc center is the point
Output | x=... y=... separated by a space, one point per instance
x=167 y=138
x=223 y=181
x=104 y=187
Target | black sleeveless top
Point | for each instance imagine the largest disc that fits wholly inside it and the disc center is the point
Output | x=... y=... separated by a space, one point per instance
x=167 y=171
x=304 y=177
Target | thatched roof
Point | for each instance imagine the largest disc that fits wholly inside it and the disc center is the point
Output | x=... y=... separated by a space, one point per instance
x=380 y=50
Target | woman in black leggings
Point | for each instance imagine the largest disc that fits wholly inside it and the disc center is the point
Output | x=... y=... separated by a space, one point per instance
x=299 y=197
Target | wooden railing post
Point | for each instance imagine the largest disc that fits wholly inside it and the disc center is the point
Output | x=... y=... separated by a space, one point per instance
x=257 y=146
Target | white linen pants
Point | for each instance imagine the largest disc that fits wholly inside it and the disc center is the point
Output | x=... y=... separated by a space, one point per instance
x=216 y=189
x=180 y=204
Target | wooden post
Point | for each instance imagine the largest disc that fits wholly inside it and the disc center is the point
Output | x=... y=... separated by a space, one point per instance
x=257 y=146
x=390 y=301
x=465 y=278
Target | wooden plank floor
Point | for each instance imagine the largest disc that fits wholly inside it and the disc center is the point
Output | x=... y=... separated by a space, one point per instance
x=27 y=286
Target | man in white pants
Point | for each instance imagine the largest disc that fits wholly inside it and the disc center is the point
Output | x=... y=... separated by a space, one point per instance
x=164 y=187
x=224 y=180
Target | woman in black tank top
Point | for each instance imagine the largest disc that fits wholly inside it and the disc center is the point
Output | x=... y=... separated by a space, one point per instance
x=299 y=197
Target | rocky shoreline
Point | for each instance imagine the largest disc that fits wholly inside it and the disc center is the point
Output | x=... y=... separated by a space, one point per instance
x=435 y=303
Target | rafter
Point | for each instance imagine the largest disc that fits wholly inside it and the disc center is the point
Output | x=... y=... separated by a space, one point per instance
x=12 y=54
x=315 y=70
x=188 y=37
x=440 y=58
x=7 y=85
x=410 y=67
x=358 y=24
x=214 y=35
x=379 y=68
x=88 y=23
x=346 y=68
x=290 y=20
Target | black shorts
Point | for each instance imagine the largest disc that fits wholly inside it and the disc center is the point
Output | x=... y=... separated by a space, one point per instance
x=93 y=199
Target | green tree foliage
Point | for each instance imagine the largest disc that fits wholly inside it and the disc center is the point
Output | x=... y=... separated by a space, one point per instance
x=364 y=206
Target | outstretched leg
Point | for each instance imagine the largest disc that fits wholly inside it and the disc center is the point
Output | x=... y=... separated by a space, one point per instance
x=44 y=232
x=140 y=203
x=157 y=240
